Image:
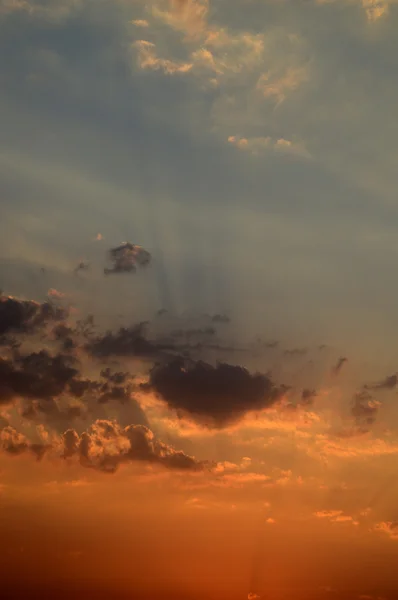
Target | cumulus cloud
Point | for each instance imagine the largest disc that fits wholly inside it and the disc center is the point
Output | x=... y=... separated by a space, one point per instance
x=15 y=443
x=104 y=447
x=217 y=395
x=126 y=257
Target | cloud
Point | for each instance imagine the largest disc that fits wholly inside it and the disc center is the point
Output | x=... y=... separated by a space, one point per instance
x=375 y=9
x=26 y=316
x=135 y=341
x=104 y=447
x=308 y=396
x=15 y=443
x=127 y=341
x=355 y=448
x=36 y=375
x=388 y=527
x=56 y=10
x=389 y=383
x=246 y=72
x=217 y=318
x=336 y=370
x=126 y=257
x=258 y=145
x=148 y=59
x=51 y=388
x=365 y=408
x=140 y=22
x=81 y=266
x=215 y=395
x=335 y=516
x=277 y=86
x=53 y=293
x=186 y=16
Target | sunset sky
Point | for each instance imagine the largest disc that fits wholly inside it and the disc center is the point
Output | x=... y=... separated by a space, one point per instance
x=198 y=310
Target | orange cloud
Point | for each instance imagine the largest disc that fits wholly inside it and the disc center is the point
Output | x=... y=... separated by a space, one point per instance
x=273 y=85
x=388 y=527
x=335 y=516
x=257 y=145
x=140 y=23
x=147 y=59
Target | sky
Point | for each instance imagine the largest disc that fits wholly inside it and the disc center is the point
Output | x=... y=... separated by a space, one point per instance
x=198 y=376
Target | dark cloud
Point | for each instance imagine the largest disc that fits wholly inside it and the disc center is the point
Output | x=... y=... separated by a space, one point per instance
x=126 y=257
x=220 y=319
x=339 y=365
x=71 y=442
x=118 y=377
x=364 y=408
x=127 y=341
x=52 y=388
x=36 y=375
x=81 y=266
x=389 y=383
x=296 y=352
x=351 y=432
x=308 y=396
x=25 y=316
x=65 y=335
x=193 y=332
x=218 y=395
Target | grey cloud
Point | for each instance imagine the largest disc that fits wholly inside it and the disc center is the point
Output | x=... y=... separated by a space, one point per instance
x=127 y=341
x=36 y=375
x=126 y=258
x=26 y=316
x=389 y=383
x=217 y=395
x=308 y=396
x=220 y=318
x=52 y=388
x=364 y=408
x=296 y=352
x=336 y=370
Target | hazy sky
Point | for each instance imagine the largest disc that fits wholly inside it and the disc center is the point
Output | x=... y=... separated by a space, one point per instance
x=250 y=146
